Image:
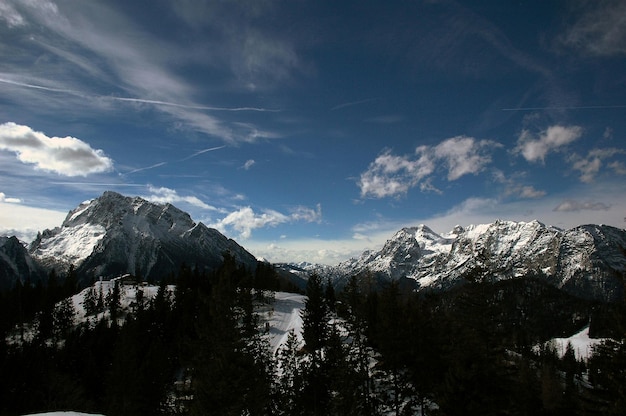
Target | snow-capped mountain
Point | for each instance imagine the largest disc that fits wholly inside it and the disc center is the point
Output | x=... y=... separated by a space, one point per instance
x=15 y=263
x=115 y=234
x=588 y=261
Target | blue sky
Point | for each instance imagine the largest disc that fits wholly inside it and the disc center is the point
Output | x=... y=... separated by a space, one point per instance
x=313 y=130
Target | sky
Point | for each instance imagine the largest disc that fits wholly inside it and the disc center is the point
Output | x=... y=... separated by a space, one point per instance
x=311 y=130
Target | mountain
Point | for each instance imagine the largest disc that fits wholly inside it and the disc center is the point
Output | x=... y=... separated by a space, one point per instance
x=16 y=263
x=588 y=261
x=115 y=234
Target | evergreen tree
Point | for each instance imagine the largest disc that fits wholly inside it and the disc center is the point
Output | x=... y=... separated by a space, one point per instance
x=231 y=369
x=90 y=301
x=329 y=295
x=315 y=316
x=70 y=285
x=114 y=302
x=63 y=318
x=289 y=382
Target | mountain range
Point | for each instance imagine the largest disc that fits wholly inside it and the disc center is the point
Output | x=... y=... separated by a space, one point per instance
x=115 y=234
x=588 y=261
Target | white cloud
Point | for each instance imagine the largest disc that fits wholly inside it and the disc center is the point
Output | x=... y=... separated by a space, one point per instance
x=463 y=155
x=245 y=220
x=572 y=205
x=529 y=192
x=554 y=138
x=11 y=16
x=67 y=156
x=307 y=214
x=249 y=163
x=514 y=188
x=618 y=167
x=390 y=175
x=164 y=195
x=3 y=198
x=590 y=165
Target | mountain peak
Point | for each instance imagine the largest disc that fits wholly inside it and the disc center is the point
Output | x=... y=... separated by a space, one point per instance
x=116 y=234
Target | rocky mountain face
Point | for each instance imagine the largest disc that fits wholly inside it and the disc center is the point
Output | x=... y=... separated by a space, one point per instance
x=114 y=234
x=588 y=261
x=16 y=264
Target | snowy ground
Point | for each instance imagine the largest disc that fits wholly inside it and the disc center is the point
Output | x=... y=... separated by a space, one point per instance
x=284 y=317
x=64 y=414
x=581 y=343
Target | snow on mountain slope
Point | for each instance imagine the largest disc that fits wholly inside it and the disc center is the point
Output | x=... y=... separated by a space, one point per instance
x=114 y=234
x=16 y=264
x=71 y=244
x=586 y=260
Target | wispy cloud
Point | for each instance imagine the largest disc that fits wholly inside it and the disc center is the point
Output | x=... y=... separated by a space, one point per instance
x=66 y=156
x=572 y=205
x=10 y=15
x=590 y=165
x=535 y=149
x=597 y=29
x=389 y=175
x=164 y=195
x=515 y=187
x=249 y=163
x=129 y=62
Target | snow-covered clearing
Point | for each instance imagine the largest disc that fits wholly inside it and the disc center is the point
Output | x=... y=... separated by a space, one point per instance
x=284 y=317
x=581 y=343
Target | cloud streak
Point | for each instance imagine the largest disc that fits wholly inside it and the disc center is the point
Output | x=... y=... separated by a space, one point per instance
x=572 y=205
x=66 y=156
x=133 y=65
x=164 y=195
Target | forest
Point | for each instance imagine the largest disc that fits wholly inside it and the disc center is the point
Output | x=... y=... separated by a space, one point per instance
x=199 y=347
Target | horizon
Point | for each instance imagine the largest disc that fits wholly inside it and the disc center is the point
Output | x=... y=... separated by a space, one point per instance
x=314 y=131
x=299 y=261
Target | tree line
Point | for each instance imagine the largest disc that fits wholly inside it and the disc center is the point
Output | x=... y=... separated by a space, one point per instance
x=198 y=347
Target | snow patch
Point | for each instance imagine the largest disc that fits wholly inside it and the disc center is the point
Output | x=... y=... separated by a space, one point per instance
x=581 y=343
x=72 y=244
x=285 y=316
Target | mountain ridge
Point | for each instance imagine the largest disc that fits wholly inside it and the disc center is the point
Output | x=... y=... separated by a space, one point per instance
x=116 y=234
x=588 y=261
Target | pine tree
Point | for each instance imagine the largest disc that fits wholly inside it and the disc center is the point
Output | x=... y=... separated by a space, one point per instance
x=63 y=318
x=90 y=302
x=315 y=316
x=114 y=302
x=289 y=383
